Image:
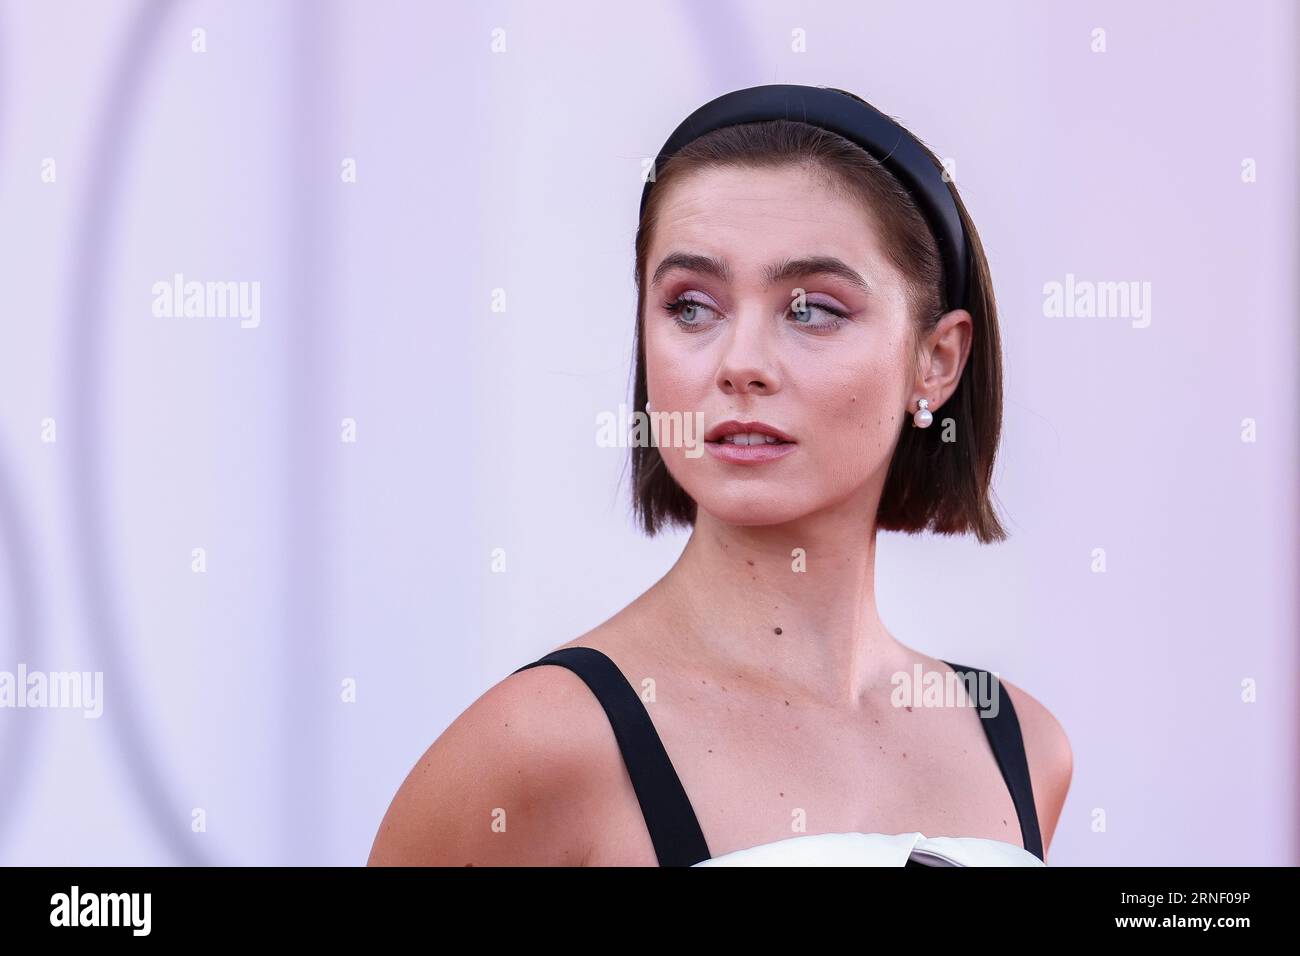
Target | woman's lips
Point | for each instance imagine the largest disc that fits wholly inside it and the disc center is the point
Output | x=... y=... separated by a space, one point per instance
x=732 y=427
x=749 y=454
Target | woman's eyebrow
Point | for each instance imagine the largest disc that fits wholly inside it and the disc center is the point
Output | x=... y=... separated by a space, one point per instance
x=692 y=262
x=815 y=266
x=777 y=273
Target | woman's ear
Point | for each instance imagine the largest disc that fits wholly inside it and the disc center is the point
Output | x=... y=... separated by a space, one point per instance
x=942 y=357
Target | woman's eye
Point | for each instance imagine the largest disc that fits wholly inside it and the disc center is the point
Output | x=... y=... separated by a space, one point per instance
x=808 y=316
x=688 y=313
x=692 y=314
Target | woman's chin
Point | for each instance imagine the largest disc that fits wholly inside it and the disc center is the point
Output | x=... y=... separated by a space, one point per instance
x=749 y=511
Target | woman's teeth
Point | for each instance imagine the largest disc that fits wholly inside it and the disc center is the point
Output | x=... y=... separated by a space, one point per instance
x=750 y=438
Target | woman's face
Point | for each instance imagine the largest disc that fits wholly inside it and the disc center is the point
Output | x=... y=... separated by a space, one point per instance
x=728 y=333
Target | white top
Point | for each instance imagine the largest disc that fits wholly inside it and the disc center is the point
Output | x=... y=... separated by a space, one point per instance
x=878 y=849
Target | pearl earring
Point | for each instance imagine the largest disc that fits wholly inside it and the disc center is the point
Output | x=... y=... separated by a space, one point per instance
x=922 y=418
x=647 y=407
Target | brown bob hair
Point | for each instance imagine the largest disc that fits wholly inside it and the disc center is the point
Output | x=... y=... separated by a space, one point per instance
x=932 y=485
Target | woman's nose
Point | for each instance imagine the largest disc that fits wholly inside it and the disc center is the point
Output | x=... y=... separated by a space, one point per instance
x=747 y=363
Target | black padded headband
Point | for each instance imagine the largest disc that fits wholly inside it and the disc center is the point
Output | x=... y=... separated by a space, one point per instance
x=894 y=147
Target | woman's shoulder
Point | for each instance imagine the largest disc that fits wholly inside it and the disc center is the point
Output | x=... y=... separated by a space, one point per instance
x=1048 y=753
x=1041 y=731
x=499 y=786
x=1047 y=748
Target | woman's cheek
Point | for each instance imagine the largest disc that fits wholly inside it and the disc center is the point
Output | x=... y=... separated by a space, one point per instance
x=673 y=383
x=866 y=439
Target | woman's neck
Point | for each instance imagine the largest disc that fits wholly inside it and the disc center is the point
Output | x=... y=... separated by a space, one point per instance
x=790 y=607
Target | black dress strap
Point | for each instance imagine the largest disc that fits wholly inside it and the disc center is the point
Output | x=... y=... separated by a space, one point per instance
x=674 y=829
x=1003 y=732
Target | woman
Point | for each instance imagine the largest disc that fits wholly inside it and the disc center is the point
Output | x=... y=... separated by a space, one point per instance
x=810 y=283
